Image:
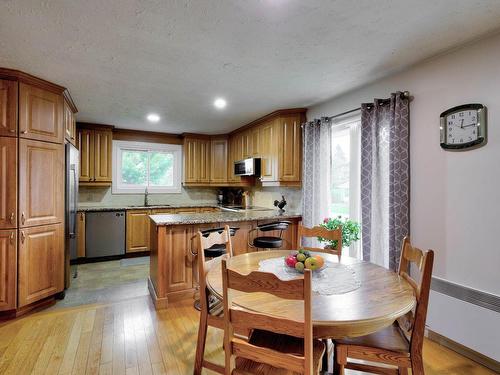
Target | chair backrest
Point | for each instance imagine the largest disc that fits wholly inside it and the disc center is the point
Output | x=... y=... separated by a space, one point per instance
x=318 y=231
x=278 y=225
x=295 y=289
x=215 y=237
x=413 y=323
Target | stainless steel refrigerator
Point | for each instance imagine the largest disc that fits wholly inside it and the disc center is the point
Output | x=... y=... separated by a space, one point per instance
x=71 y=195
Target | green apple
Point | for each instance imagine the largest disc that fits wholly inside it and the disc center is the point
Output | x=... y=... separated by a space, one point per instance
x=299 y=266
x=301 y=250
x=311 y=263
x=301 y=257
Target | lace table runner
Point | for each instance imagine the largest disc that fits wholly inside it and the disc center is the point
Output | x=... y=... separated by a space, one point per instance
x=333 y=278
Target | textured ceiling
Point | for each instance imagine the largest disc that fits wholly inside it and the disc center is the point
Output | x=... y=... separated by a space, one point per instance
x=123 y=59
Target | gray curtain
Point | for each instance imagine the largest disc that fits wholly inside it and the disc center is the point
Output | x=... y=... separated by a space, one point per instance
x=385 y=179
x=316 y=179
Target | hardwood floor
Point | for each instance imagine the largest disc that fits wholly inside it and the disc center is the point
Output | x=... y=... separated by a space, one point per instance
x=130 y=337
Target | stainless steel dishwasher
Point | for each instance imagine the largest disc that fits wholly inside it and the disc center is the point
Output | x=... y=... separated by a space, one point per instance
x=104 y=234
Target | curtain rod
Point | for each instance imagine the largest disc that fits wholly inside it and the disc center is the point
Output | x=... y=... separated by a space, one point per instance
x=403 y=95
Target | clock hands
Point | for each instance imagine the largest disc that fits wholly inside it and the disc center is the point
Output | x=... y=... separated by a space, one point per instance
x=468 y=126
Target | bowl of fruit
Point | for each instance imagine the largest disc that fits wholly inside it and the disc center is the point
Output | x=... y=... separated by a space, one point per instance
x=303 y=259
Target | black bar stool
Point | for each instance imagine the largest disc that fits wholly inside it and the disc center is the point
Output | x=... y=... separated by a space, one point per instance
x=213 y=251
x=270 y=242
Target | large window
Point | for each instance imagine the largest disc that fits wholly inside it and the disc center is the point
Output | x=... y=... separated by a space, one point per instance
x=346 y=155
x=138 y=165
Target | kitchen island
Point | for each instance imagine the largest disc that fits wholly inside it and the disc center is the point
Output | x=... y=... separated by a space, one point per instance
x=173 y=271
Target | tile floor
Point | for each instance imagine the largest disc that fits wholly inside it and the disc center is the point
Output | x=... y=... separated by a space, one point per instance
x=106 y=282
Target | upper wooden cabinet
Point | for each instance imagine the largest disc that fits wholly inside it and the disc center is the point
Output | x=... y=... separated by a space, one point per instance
x=41 y=263
x=40 y=114
x=41 y=183
x=8 y=182
x=196 y=161
x=8 y=108
x=290 y=144
x=8 y=269
x=95 y=146
x=69 y=124
x=103 y=145
x=218 y=161
x=268 y=147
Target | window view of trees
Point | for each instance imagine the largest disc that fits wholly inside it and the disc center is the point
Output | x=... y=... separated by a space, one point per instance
x=340 y=173
x=145 y=168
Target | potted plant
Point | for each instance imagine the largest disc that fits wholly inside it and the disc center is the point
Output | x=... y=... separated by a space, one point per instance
x=350 y=231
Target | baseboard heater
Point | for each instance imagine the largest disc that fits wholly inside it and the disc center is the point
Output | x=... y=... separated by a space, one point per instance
x=476 y=297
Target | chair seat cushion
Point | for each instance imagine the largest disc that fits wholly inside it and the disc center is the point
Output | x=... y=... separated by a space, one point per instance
x=281 y=343
x=390 y=338
x=215 y=251
x=267 y=242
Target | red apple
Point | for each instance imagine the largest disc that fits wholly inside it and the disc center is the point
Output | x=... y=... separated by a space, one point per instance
x=290 y=261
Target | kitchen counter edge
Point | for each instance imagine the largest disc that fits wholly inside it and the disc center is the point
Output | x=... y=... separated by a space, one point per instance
x=221 y=217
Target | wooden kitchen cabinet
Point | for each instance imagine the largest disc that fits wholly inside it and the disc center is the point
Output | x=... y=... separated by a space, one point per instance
x=218 y=161
x=40 y=114
x=95 y=146
x=8 y=185
x=103 y=144
x=41 y=183
x=138 y=224
x=69 y=124
x=269 y=151
x=196 y=161
x=255 y=142
x=80 y=243
x=290 y=160
x=178 y=259
x=8 y=108
x=8 y=269
x=41 y=263
x=86 y=149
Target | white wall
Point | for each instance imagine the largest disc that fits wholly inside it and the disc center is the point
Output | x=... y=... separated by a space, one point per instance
x=455 y=196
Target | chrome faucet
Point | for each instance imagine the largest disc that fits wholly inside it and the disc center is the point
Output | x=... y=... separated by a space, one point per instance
x=146 y=197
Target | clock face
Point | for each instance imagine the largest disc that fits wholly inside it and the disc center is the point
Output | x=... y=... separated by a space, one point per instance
x=463 y=127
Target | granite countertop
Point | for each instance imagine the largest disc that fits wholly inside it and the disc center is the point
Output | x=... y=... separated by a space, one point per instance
x=221 y=217
x=134 y=207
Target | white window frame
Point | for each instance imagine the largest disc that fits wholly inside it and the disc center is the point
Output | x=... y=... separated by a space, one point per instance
x=120 y=146
x=353 y=124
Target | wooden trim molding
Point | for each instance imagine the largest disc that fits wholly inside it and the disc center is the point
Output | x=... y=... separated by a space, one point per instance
x=279 y=112
x=17 y=75
x=69 y=100
x=90 y=125
x=465 y=351
x=476 y=297
x=145 y=136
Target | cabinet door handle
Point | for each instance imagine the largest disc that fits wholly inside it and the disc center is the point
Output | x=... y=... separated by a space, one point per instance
x=24 y=132
x=12 y=238
x=23 y=218
x=12 y=217
x=12 y=130
x=22 y=236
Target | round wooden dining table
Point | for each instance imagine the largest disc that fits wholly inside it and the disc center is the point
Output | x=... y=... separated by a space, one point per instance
x=381 y=298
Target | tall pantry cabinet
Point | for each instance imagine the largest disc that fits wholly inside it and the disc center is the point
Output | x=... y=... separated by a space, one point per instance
x=32 y=136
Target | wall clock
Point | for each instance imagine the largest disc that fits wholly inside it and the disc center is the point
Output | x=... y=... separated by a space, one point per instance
x=463 y=127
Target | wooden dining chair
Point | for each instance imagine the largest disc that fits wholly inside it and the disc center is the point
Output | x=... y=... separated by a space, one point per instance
x=275 y=346
x=210 y=315
x=399 y=345
x=319 y=231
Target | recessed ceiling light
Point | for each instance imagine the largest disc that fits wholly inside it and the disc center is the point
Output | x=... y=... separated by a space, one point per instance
x=153 y=117
x=220 y=103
